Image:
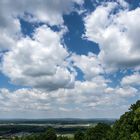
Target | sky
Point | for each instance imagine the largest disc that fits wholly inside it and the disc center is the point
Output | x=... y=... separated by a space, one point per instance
x=69 y=58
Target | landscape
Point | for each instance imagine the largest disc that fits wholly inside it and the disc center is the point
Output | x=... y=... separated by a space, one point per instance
x=21 y=127
x=69 y=69
x=127 y=127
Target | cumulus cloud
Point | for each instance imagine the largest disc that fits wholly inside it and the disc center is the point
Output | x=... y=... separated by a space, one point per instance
x=9 y=30
x=46 y=11
x=124 y=91
x=88 y=64
x=23 y=100
x=116 y=33
x=49 y=11
x=39 y=62
x=132 y=80
x=85 y=97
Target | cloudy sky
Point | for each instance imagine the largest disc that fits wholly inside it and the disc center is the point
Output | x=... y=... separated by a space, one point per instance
x=69 y=58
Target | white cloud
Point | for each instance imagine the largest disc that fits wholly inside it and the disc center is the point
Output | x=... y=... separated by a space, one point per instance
x=47 y=11
x=9 y=30
x=88 y=64
x=117 y=35
x=124 y=91
x=123 y=3
x=39 y=62
x=132 y=80
x=23 y=100
x=84 y=99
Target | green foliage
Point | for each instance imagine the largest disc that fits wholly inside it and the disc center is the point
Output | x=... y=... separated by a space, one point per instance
x=79 y=135
x=99 y=132
x=135 y=136
x=128 y=126
x=50 y=134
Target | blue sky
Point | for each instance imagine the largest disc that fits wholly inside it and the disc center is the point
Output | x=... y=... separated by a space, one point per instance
x=75 y=58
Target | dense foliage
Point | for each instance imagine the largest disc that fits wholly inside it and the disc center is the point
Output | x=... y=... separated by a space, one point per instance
x=99 y=132
x=126 y=128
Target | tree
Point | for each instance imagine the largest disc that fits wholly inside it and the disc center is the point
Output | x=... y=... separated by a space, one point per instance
x=79 y=135
x=99 y=132
x=128 y=126
x=50 y=134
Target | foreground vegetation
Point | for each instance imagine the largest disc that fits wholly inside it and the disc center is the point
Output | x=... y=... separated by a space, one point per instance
x=126 y=128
